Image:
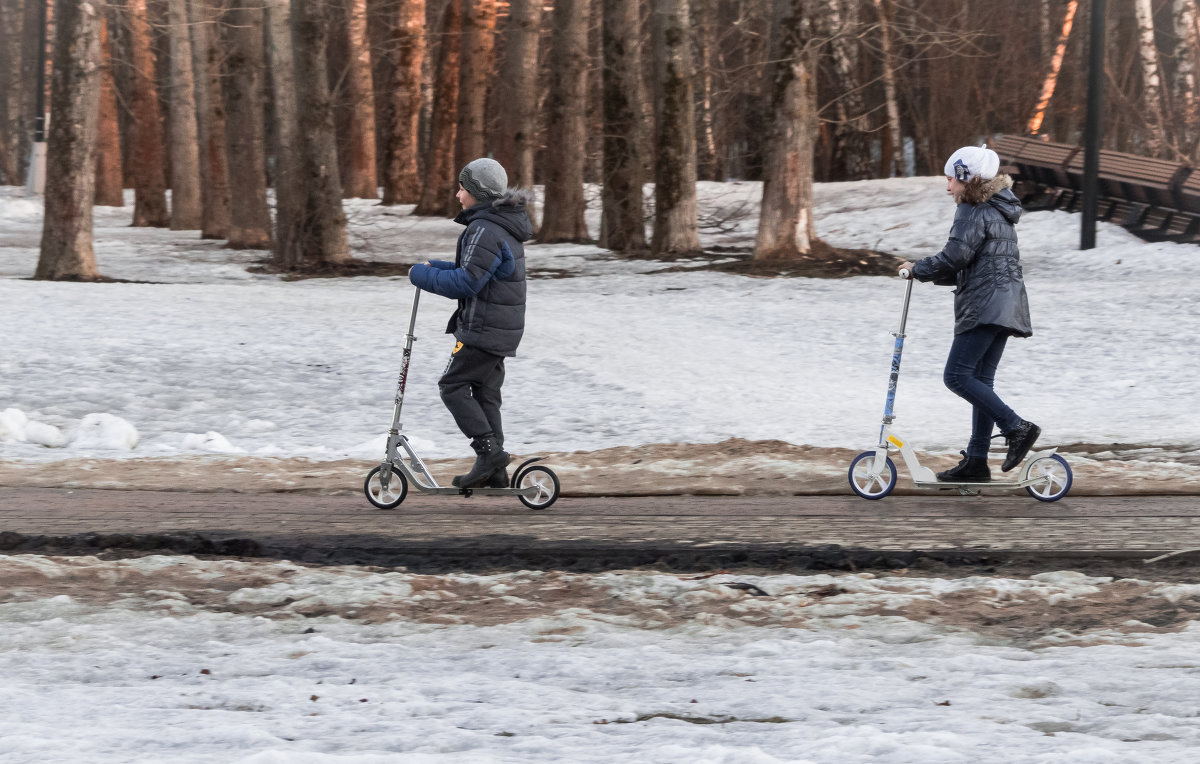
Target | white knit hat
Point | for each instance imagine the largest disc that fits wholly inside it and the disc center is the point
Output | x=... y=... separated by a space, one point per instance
x=973 y=162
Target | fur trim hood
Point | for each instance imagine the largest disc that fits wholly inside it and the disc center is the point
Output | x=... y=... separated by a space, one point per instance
x=996 y=192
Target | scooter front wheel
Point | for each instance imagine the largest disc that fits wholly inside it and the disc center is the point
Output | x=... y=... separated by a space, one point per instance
x=867 y=484
x=1054 y=478
x=390 y=497
x=542 y=478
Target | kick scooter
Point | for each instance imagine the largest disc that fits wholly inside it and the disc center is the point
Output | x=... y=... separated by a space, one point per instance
x=1045 y=475
x=386 y=486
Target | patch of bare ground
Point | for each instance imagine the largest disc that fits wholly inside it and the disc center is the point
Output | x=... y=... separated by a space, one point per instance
x=349 y=269
x=824 y=261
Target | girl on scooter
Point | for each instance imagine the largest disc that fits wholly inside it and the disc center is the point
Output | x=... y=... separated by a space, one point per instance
x=982 y=262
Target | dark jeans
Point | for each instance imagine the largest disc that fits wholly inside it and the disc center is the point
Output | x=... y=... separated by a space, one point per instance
x=470 y=388
x=970 y=374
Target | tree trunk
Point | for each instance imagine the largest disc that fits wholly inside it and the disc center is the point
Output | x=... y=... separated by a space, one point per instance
x=242 y=86
x=289 y=193
x=1051 y=81
x=323 y=233
x=360 y=181
x=186 y=209
x=516 y=137
x=852 y=157
x=704 y=18
x=66 y=251
x=785 y=226
x=895 y=164
x=147 y=157
x=110 y=185
x=210 y=108
x=437 y=192
x=398 y=57
x=566 y=124
x=675 y=215
x=478 y=43
x=1187 y=62
x=1156 y=138
x=623 y=219
x=10 y=91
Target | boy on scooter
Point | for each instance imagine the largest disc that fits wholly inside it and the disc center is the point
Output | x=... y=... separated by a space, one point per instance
x=487 y=278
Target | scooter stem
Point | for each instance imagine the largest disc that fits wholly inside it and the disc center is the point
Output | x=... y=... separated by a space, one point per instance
x=408 y=343
x=897 y=352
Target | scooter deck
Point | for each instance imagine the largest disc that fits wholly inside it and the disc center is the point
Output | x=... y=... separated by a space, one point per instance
x=529 y=492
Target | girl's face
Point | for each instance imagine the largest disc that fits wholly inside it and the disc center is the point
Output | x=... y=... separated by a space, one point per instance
x=955 y=188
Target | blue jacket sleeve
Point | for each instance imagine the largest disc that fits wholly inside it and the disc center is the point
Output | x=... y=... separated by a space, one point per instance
x=484 y=257
x=966 y=234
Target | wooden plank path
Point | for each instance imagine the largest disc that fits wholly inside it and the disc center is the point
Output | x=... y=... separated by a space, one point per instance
x=598 y=532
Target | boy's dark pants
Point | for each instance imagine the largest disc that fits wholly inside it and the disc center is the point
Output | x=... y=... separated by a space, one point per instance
x=470 y=388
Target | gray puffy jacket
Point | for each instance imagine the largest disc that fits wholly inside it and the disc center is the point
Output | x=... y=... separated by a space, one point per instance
x=487 y=276
x=982 y=261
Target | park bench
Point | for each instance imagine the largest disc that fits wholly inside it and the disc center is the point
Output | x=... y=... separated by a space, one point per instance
x=1153 y=198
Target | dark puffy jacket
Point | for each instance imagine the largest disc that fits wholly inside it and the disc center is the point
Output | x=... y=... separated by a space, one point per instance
x=487 y=276
x=982 y=261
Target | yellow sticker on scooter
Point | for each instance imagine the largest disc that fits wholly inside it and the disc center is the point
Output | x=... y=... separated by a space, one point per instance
x=895 y=441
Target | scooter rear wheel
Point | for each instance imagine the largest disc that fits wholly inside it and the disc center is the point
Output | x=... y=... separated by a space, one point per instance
x=868 y=485
x=1054 y=478
x=385 y=499
x=546 y=482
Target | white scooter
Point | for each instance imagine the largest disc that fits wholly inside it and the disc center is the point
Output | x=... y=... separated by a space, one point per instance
x=1045 y=475
x=387 y=485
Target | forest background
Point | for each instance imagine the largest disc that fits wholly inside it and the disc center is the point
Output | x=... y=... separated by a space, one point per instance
x=203 y=106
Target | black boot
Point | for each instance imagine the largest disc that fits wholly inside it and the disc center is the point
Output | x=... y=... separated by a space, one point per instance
x=499 y=479
x=489 y=457
x=972 y=469
x=1020 y=439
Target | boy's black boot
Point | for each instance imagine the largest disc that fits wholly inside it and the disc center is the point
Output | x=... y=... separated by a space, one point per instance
x=1020 y=439
x=972 y=469
x=489 y=457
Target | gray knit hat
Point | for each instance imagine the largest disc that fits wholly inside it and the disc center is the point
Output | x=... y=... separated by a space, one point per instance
x=484 y=179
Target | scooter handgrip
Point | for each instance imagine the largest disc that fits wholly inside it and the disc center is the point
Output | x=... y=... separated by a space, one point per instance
x=905 y=273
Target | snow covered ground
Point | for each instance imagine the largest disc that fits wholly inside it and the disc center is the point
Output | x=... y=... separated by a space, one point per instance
x=199 y=373
x=179 y=659
x=197 y=355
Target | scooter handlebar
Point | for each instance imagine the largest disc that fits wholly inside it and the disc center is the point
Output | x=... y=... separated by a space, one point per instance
x=905 y=273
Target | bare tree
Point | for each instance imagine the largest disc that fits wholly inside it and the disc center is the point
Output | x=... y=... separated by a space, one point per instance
x=397 y=57
x=623 y=219
x=110 y=185
x=1187 y=70
x=323 y=234
x=183 y=140
x=360 y=181
x=675 y=214
x=66 y=251
x=475 y=76
x=289 y=192
x=210 y=111
x=1156 y=138
x=147 y=157
x=704 y=23
x=1056 y=61
x=893 y=154
x=11 y=21
x=437 y=192
x=516 y=136
x=785 y=224
x=566 y=124
x=850 y=130
x=245 y=136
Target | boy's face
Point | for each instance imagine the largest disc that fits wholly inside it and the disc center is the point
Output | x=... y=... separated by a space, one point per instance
x=464 y=198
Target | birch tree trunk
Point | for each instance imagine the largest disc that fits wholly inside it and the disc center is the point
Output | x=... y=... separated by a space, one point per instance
x=851 y=130
x=1187 y=69
x=398 y=57
x=704 y=22
x=516 y=137
x=441 y=175
x=323 y=235
x=623 y=218
x=566 y=124
x=785 y=225
x=1056 y=61
x=147 y=156
x=66 y=249
x=1152 y=101
x=895 y=163
x=676 y=228
x=110 y=185
x=210 y=110
x=186 y=209
x=478 y=43
x=361 y=181
x=242 y=86
x=289 y=193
